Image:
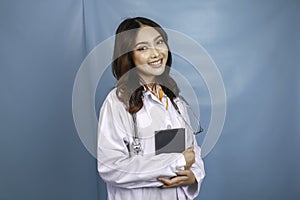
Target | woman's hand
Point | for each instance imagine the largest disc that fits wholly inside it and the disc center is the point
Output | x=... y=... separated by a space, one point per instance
x=189 y=156
x=183 y=178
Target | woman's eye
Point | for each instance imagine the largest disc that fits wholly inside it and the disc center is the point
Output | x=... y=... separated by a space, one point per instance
x=161 y=41
x=142 y=48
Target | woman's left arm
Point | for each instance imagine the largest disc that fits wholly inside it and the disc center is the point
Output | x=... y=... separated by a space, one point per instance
x=189 y=179
x=191 y=191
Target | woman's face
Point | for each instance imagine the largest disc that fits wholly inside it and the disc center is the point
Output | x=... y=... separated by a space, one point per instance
x=150 y=54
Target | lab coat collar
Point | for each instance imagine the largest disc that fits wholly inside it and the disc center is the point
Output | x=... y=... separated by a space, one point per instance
x=152 y=96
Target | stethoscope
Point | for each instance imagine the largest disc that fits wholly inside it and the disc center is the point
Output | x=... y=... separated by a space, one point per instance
x=136 y=144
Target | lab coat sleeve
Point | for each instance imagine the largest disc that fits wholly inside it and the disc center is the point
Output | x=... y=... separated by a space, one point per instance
x=197 y=168
x=115 y=164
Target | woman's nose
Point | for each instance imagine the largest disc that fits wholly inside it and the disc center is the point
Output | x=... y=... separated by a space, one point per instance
x=154 y=52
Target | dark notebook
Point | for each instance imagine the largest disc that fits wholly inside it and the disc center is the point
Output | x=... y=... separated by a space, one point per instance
x=170 y=141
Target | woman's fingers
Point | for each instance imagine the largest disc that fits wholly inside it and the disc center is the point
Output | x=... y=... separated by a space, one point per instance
x=183 y=172
x=184 y=177
x=172 y=181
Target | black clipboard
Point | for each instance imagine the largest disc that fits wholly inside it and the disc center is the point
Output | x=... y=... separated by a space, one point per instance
x=170 y=141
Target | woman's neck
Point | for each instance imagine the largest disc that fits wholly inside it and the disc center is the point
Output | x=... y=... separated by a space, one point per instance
x=148 y=82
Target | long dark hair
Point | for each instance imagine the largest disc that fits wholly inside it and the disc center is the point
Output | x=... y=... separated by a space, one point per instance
x=129 y=89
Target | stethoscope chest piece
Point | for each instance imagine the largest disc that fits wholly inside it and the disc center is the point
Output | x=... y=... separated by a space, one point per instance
x=136 y=146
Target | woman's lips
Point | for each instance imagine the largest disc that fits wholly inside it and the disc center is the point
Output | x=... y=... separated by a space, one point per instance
x=156 y=63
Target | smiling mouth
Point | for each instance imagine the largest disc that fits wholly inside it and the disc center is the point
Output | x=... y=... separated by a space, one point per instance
x=156 y=63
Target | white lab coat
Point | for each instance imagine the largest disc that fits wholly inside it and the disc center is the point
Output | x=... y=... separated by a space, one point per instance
x=134 y=177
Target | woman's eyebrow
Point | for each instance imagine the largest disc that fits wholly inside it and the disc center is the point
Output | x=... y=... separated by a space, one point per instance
x=159 y=36
x=144 y=42
x=141 y=43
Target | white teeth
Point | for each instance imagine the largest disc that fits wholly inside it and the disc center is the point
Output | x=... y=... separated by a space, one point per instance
x=156 y=62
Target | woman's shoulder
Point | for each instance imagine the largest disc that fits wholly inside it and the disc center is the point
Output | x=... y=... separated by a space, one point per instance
x=113 y=99
x=112 y=95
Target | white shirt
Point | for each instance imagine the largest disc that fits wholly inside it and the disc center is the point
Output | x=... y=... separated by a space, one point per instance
x=134 y=176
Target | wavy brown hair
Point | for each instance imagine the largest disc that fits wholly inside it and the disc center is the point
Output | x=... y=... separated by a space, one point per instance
x=129 y=88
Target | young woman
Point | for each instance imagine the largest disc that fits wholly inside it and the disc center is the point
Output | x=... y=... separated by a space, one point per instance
x=145 y=100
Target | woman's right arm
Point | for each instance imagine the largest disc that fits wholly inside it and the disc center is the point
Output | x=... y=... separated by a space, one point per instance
x=115 y=164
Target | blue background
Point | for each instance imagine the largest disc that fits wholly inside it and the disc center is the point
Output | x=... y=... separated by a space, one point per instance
x=255 y=45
